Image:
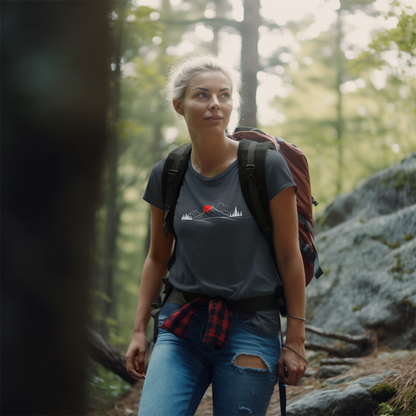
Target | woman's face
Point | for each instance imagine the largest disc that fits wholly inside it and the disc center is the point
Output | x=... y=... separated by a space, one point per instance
x=207 y=104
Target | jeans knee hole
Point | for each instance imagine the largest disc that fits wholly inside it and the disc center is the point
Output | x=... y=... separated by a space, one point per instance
x=253 y=362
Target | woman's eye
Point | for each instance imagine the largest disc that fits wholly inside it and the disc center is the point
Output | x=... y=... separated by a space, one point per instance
x=226 y=95
x=201 y=94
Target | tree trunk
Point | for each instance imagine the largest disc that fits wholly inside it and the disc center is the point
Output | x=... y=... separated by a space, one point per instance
x=54 y=68
x=112 y=202
x=220 y=12
x=339 y=125
x=250 y=61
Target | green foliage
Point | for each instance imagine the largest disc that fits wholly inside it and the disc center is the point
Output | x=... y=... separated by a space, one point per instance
x=103 y=387
x=385 y=409
x=377 y=124
x=401 y=39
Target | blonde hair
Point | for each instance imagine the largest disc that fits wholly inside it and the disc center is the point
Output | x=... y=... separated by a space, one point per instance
x=181 y=74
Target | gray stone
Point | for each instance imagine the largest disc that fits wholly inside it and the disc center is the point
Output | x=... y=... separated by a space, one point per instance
x=328 y=371
x=371 y=381
x=337 y=380
x=367 y=247
x=354 y=400
x=342 y=361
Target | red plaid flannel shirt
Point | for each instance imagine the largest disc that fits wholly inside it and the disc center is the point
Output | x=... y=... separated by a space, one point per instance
x=219 y=321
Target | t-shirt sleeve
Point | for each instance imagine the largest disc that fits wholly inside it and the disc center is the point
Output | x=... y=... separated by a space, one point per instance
x=278 y=176
x=153 y=193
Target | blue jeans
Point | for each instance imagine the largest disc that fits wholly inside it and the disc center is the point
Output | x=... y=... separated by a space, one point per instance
x=180 y=370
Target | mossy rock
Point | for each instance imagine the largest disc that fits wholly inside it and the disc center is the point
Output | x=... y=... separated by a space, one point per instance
x=382 y=392
x=406 y=303
x=402 y=178
x=387 y=243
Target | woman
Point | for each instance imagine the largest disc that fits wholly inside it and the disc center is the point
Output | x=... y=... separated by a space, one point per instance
x=222 y=255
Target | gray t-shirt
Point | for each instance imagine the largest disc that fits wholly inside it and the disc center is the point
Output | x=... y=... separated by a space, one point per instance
x=220 y=250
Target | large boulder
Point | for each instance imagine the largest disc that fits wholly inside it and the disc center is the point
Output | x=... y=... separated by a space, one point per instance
x=367 y=246
x=355 y=399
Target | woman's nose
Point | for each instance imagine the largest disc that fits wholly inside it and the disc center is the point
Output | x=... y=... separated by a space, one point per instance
x=214 y=104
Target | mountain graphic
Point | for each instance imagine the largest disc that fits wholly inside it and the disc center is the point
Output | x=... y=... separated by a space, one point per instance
x=214 y=213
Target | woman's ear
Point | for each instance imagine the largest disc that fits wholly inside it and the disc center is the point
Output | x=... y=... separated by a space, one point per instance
x=177 y=105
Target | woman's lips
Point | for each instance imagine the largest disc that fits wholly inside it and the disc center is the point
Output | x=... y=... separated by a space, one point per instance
x=214 y=119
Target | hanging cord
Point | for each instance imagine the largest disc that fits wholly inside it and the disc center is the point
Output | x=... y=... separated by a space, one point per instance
x=291 y=349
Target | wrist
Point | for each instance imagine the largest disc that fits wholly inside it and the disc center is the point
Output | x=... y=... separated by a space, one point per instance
x=139 y=329
x=299 y=318
x=295 y=334
x=295 y=325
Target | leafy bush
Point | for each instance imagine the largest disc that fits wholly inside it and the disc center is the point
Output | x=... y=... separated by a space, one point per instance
x=103 y=387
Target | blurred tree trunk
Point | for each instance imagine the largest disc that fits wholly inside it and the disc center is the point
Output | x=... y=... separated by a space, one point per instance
x=157 y=155
x=249 y=30
x=112 y=203
x=339 y=124
x=54 y=81
x=221 y=8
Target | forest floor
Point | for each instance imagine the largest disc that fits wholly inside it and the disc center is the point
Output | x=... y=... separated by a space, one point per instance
x=377 y=363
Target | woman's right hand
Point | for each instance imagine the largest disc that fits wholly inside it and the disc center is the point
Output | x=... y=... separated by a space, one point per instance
x=136 y=354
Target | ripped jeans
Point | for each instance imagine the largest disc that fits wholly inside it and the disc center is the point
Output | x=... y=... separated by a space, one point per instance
x=180 y=370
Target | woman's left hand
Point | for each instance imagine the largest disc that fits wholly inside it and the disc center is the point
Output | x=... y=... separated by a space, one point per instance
x=292 y=366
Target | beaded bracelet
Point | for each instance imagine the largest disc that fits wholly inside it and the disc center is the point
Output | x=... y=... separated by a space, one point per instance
x=291 y=349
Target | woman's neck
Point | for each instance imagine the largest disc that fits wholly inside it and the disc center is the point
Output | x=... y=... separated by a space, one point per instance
x=213 y=154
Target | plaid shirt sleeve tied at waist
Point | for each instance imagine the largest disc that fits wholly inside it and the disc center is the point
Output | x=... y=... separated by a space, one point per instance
x=219 y=321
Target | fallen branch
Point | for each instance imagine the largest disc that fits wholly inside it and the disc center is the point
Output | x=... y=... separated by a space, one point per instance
x=106 y=355
x=341 y=361
x=366 y=342
x=340 y=351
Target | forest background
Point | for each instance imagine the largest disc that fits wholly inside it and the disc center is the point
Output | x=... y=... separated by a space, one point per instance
x=337 y=78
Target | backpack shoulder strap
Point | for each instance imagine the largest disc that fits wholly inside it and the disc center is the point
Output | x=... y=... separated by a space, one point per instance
x=172 y=176
x=251 y=157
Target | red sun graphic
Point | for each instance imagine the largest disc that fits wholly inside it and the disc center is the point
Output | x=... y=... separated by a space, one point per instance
x=207 y=208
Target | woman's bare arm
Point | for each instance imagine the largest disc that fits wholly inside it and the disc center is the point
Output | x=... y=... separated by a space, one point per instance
x=155 y=267
x=286 y=243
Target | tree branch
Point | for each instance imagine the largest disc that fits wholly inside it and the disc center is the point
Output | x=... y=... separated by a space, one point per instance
x=216 y=22
x=366 y=342
x=353 y=339
x=103 y=353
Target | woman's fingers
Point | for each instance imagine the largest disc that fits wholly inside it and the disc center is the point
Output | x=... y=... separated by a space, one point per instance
x=291 y=367
x=135 y=357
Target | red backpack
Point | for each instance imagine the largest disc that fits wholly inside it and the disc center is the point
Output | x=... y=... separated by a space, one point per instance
x=253 y=146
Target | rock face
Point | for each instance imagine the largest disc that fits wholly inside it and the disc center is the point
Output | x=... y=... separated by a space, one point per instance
x=356 y=399
x=367 y=246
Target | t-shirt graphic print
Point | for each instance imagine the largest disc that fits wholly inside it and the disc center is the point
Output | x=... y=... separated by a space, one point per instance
x=211 y=213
